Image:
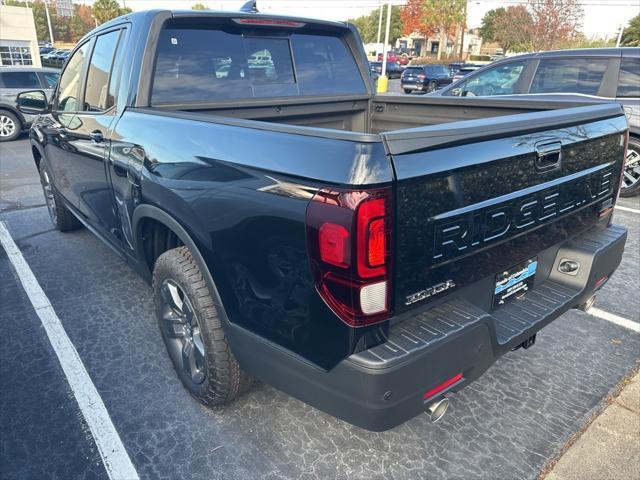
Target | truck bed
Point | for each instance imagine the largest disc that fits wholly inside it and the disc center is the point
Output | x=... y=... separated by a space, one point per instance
x=382 y=113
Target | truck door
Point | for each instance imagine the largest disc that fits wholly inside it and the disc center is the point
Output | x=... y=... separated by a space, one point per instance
x=89 y=139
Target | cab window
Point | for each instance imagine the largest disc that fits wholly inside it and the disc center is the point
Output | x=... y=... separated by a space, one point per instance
x=499 y=80
x=96 y=95
x=69 y=86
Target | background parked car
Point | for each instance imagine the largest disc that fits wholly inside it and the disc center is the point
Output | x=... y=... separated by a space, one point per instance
x=425 y=78
x=612 y=73
x=394 y=70
x=56 y=58
x=15 y=80
x=464 y=71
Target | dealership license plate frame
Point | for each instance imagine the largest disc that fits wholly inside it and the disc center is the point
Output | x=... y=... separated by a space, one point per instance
x=514 y=282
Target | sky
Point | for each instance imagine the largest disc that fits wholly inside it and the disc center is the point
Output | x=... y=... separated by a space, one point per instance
x=601 y=17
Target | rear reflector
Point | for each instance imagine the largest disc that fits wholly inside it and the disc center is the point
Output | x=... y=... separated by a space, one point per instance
x=443 y=386
x=269 y=22
x=601 y=282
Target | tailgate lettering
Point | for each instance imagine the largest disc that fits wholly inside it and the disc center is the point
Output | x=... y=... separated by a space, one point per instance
x=457 y=235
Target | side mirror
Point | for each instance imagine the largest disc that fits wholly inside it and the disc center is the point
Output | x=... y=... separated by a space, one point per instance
x=456 y=92
x=33 y=102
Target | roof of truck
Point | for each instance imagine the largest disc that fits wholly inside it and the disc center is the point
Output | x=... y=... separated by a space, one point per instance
x=216 y=13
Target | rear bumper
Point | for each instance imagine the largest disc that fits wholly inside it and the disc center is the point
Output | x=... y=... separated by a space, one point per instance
x=384 y=386
x=413 y=86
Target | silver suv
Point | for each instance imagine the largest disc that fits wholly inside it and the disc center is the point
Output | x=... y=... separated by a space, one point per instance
x=611 y=73
x=14 y=80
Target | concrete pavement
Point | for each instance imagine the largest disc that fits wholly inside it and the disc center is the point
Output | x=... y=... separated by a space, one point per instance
x=610 y=446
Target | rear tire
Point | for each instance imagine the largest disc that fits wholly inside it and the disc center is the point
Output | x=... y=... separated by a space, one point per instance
x=631 y=180
x=193 y=332
x=407 y=91
x=59 y=214
x=10 y=126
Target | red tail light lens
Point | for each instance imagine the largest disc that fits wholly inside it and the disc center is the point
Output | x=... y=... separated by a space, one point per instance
x=334 y=244
x=348 y=240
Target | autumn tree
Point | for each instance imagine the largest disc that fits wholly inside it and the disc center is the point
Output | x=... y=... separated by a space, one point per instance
x=631 y=34
x=367 y=25
x=199 y=6
x=428 y=17
x=510 y=27
x=554 y=22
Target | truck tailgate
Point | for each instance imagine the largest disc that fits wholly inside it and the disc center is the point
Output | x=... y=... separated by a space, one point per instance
x=479 y=197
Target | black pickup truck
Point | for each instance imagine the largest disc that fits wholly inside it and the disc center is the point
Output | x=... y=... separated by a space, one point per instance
x=367 y=254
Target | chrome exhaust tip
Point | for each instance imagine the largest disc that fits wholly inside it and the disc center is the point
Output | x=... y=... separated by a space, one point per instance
x=588 y=304
x=436 y=410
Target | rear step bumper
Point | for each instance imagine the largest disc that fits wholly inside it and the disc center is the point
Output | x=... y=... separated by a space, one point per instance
x=384 y=386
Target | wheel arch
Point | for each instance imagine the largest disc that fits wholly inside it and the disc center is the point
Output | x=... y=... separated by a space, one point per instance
x=16 y=112
x=145 y=213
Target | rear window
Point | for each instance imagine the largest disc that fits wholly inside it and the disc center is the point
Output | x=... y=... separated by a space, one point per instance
x=201 y=64
x=570 y=75
x=438 y=70
x=629 y=81
x=414 y=70
x=20 y=80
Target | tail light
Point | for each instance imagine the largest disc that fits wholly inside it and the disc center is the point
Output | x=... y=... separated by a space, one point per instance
x=422 y=76
x=349 y=246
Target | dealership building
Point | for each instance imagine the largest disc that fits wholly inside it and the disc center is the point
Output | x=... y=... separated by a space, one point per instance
x=18 y=40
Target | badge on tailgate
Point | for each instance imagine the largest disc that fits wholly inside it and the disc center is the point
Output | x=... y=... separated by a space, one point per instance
x=515 y=282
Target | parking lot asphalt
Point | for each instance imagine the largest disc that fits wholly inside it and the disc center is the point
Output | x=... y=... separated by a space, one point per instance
x=508 y=424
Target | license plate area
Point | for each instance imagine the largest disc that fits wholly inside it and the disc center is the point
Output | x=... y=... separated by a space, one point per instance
x=514 y=282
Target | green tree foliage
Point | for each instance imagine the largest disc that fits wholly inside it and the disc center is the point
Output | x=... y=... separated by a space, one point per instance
x=199 y=6
x=510 y=27
x=631 y=34
x=368 y=25
x=105 y=10
x=488 y=25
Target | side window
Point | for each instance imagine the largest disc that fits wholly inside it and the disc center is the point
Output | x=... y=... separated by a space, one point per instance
x=116 y=71
x=629 y=81
x=50 y=79
x=20 y=80
x=69 y=85
x=569 y=75
x=97 y=88
x=499 y=80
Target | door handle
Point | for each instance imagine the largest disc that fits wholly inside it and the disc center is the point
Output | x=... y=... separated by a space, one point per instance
x=548 y=156
x=97 y=136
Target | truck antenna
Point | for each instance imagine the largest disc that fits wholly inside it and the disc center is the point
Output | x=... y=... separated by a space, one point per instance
x=250 y=7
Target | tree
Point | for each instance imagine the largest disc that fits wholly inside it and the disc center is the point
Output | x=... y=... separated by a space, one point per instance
x=427 y=17
x=554 y=22
x=514 y=29
x=199 y=6
x=105 y=10
x=488 y=25
x=631 y=34
x=367 y=25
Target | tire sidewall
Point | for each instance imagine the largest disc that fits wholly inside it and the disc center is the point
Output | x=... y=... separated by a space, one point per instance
x=630 y=192
x=17 y=123
x=166 y=268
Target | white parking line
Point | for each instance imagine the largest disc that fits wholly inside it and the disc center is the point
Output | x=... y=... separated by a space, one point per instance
x=610 y=317
x=626 y=209
x=114 y=455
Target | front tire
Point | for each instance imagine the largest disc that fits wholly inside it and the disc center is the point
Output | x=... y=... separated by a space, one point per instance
x=631 y=173
x=432 y=87
x=10 y=126
x=59 y=214
x=193 y=332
